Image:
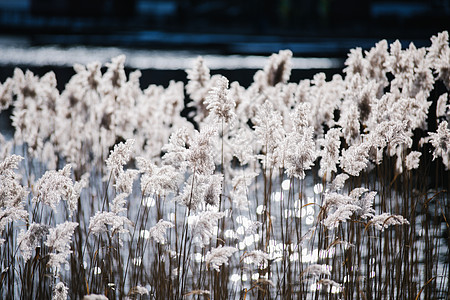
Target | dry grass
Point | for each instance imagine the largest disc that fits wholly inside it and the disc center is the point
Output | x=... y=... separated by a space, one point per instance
x=243 y=199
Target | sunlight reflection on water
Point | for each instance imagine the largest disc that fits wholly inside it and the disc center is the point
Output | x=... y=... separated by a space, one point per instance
x=144 y=59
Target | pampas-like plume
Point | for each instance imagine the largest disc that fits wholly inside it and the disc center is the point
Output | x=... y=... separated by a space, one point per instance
x=35 y=100
x=422 y=79
x=12 y=193
x=397 y=134
x=443 y=68
x=358 y=202
x=377 y=57
x=6 y=94
x=299 y=117
x=441 y=106
x=391 y=134
x=7 y=167
x=119 y=157
x=219 y=256
x=99 y=223
x=53 y=186
x=118 y=203
x=198 y=80
x=253 y=227
x=316 y=270
x=269 y=131
x=219 y=103
x=439 y=56
x=300 y=153
x=11 y=214
x=438 y=48
x=256 y=257
x=355 y=159
x=5 y=147
x=412 y=160
x=158 y=231
x=72 y=202
x=243 y=144
x=329 y=282
x=193 y=191
x=399 y=63
x=213 y=189
x=278 y=69
x=349 y=121
x=240 y=185
x=176 y=149
x=199 y=84
x=201 y=189
x=330 y=153
x=342 y=214
x=364 y=200
x=338 y=182
x=200 y=155
x=385 y=220
x=115 y=74
x=138 y=290
x=202 y=228
x=356 y=63
x=58 y=240
x=30 y=239
x=124 y=182
x=159 y=180
x=441 y=143
x=60 y=291
x=333 y=199
x=299 y=147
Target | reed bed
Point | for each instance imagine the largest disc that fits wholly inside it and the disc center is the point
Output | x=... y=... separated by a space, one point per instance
x=328 y=188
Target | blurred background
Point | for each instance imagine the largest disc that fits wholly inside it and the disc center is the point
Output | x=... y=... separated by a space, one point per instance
x=234 y=34
x=233 y=26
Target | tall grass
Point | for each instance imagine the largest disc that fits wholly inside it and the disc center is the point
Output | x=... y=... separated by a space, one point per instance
x=326 y=188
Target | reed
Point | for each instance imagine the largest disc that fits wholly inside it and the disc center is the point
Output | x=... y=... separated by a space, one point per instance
x=322 y=189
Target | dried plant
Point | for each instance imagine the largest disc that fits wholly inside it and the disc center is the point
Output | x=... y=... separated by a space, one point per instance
x=333 y=188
